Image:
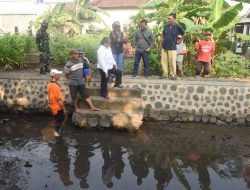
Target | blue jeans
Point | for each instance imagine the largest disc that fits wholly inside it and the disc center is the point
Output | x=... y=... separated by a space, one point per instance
x=118 y=57
x=138 y=56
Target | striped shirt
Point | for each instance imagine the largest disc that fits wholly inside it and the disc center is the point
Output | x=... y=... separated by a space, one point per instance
x=74 y=72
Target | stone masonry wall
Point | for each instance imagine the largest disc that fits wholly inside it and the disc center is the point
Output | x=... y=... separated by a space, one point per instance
x=211 y=101
x=182 y=100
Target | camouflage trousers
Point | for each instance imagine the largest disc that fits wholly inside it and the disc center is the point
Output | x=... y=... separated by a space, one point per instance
x=44 y=60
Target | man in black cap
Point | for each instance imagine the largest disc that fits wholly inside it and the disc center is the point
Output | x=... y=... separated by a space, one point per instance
x=42 y=41
x=73 y=70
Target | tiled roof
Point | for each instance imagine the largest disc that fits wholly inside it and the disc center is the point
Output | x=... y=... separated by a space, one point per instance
x=118 y=3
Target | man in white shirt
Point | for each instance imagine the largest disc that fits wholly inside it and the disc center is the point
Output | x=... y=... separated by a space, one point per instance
x=107 y=65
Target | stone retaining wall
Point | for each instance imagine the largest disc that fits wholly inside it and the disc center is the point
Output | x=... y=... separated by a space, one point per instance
x=211 y=101
x=202 y=100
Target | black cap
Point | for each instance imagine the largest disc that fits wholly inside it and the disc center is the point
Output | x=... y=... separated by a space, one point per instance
x=80 y=50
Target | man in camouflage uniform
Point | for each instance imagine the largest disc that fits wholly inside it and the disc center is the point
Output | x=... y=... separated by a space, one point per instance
x=42 y=41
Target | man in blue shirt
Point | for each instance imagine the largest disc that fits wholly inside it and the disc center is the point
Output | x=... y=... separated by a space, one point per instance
x=168 y=46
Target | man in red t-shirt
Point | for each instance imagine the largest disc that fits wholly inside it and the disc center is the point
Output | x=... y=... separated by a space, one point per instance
x=205 y=49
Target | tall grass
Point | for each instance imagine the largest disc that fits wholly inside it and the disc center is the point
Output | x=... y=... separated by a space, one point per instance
x=13 y=50
x=61 y=44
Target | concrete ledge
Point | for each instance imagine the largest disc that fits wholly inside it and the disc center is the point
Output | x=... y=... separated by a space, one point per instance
x=139 y=80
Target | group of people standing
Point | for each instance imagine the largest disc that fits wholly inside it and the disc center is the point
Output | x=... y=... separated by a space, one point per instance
x=171 y=46
x=111 y=59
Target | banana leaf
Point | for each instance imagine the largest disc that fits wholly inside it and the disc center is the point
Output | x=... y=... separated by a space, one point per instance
x=153 y=3
x=216 y=10
x=199 y=11
x=228 y=17
x=243 y=36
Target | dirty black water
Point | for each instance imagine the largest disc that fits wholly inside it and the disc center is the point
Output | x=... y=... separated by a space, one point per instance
x=159 y=156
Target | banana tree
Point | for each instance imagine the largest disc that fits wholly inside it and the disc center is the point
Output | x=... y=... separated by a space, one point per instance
x=83 y=12
x=197 y=16
x=186 y=12
x=69 y=17
x=59 y=21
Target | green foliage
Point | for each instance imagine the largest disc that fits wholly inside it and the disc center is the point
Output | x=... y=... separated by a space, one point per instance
x=59 y=21
x=189 y=63
x=226 y=20
x=14 y=49
x=69 y=18
x=155 y=62
x=231 y=65
x=195 y=18
x=128 y=65
x=135 y=23
x=61 y=44
x=90 y=43
x=216 y=11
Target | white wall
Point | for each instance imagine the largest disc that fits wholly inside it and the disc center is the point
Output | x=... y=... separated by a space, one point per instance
x=8 y=22
x=121 y=15
x=20 y=12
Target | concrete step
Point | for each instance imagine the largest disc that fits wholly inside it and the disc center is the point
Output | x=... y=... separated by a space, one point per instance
x=114 y=103
x=123 y=110
x=128 y=119
x=116 y=92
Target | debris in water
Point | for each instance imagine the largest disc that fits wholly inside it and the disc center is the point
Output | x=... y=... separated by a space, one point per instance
x=3 y=121
x=212 y=138
x=28 y=165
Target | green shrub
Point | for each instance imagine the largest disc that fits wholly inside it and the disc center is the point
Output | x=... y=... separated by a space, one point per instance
x=231 y=65
x=189 y=63
x=229 y=45
x=155 y=62
x=13 y=50
x=90 y=43
x=60 y=45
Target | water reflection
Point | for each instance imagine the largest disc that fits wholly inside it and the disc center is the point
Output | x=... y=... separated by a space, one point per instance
x=60 y=157
x=139 y=165
x=113 y=163
x=82 y=163
x=247 y=171
x=166 y=158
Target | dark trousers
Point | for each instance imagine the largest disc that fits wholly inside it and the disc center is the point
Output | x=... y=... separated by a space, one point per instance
x=104 y=80
x=206 y=66
x=138 y=56
x=59 y=117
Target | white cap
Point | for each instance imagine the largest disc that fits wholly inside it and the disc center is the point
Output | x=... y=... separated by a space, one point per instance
x=54 y=72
